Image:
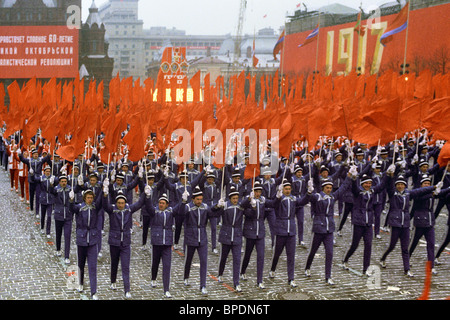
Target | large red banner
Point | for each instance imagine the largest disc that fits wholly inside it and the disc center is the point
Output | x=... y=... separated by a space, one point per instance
x=341 y=49
x=38 y=51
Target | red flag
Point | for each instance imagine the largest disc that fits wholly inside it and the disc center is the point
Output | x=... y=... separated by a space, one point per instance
x=195 y=85
x=444 y=155
x=135 y=139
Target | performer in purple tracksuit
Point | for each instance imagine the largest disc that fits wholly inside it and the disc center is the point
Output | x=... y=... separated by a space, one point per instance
x=62 y=215
x=230 y=235
x=399 y=217
x=35 y=165
x=46 y=200
x=322 y=212
x=285 y=228
x=424 y=220
x=120 y=222
x=88 y=235
x=162 y=218
x=196 y=215
x=363 y=217
x=254 y=231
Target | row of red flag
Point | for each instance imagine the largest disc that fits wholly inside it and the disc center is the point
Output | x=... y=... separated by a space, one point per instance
x=373 y=109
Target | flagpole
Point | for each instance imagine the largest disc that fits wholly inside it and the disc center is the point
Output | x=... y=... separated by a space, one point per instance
x=406 y=37
x=359 y=37
x=317 y=47
x=283 y=56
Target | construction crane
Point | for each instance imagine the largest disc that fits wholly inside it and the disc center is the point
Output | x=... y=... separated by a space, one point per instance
x=240 y=28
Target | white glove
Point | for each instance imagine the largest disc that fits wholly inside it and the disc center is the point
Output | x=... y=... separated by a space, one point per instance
x=253 y=203
x=141 y=172
x=94 y=150
x=375 y=159
x=403 y=164
x=148 y=190
x=31 y=171
x=374 y=165
x=221 y=203
x=252 y=195
x=88 y=162
x=353 y=171
x=71 y=195
x=52 y=180
x=310 y=186
x=185 y=196
x=80 y=180
x=166 y=172
x=378 y=150
x=291 y=167
x=208 y=168
x=113 y=172
x=105 y=190
x=416 y=158
x=439 y=186
x=396 y=148
x=106 y=183
x=63 y=169
x=391 y=168
x=279 y=192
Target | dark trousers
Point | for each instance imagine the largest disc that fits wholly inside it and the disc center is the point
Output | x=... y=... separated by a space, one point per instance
x=236 y=253
x=377 y=210
x=145 y=228
x=35 y=191
x=123 y=254
x=259 y=244
x=441 y=203
x=88 y=253
x=429 y=237
x=213 y=222
x=100 y=225
x=300 y=214
x=327 y=240
x=271 y=219
x=178 y=226
x=203 y=257
x=444 y=244
x=46 y=210
x=403 y=235
x=163 y=253
x=348 y=206
x=287 y=242
x=366 y=233
x=67 y=226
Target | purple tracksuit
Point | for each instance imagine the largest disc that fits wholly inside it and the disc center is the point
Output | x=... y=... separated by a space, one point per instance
x=399 y=218
x=322 y=211
x=285 y=229
x=363 y=218
x=162 y=240
x=230 y=236
x=120 y=223
x=46 y=200
x=195 y=237
x=88 y=236
x=424 y=222
x=254 y=233
x=63 y=217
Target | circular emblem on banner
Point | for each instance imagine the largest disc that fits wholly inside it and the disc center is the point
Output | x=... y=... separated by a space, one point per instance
x=165 y=66
x=184 y=67
x=175 y=67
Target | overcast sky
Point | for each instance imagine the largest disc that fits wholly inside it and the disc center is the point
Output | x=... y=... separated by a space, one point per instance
x=219 y=17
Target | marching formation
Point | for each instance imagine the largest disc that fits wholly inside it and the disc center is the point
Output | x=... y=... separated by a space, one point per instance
x=338 y=177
